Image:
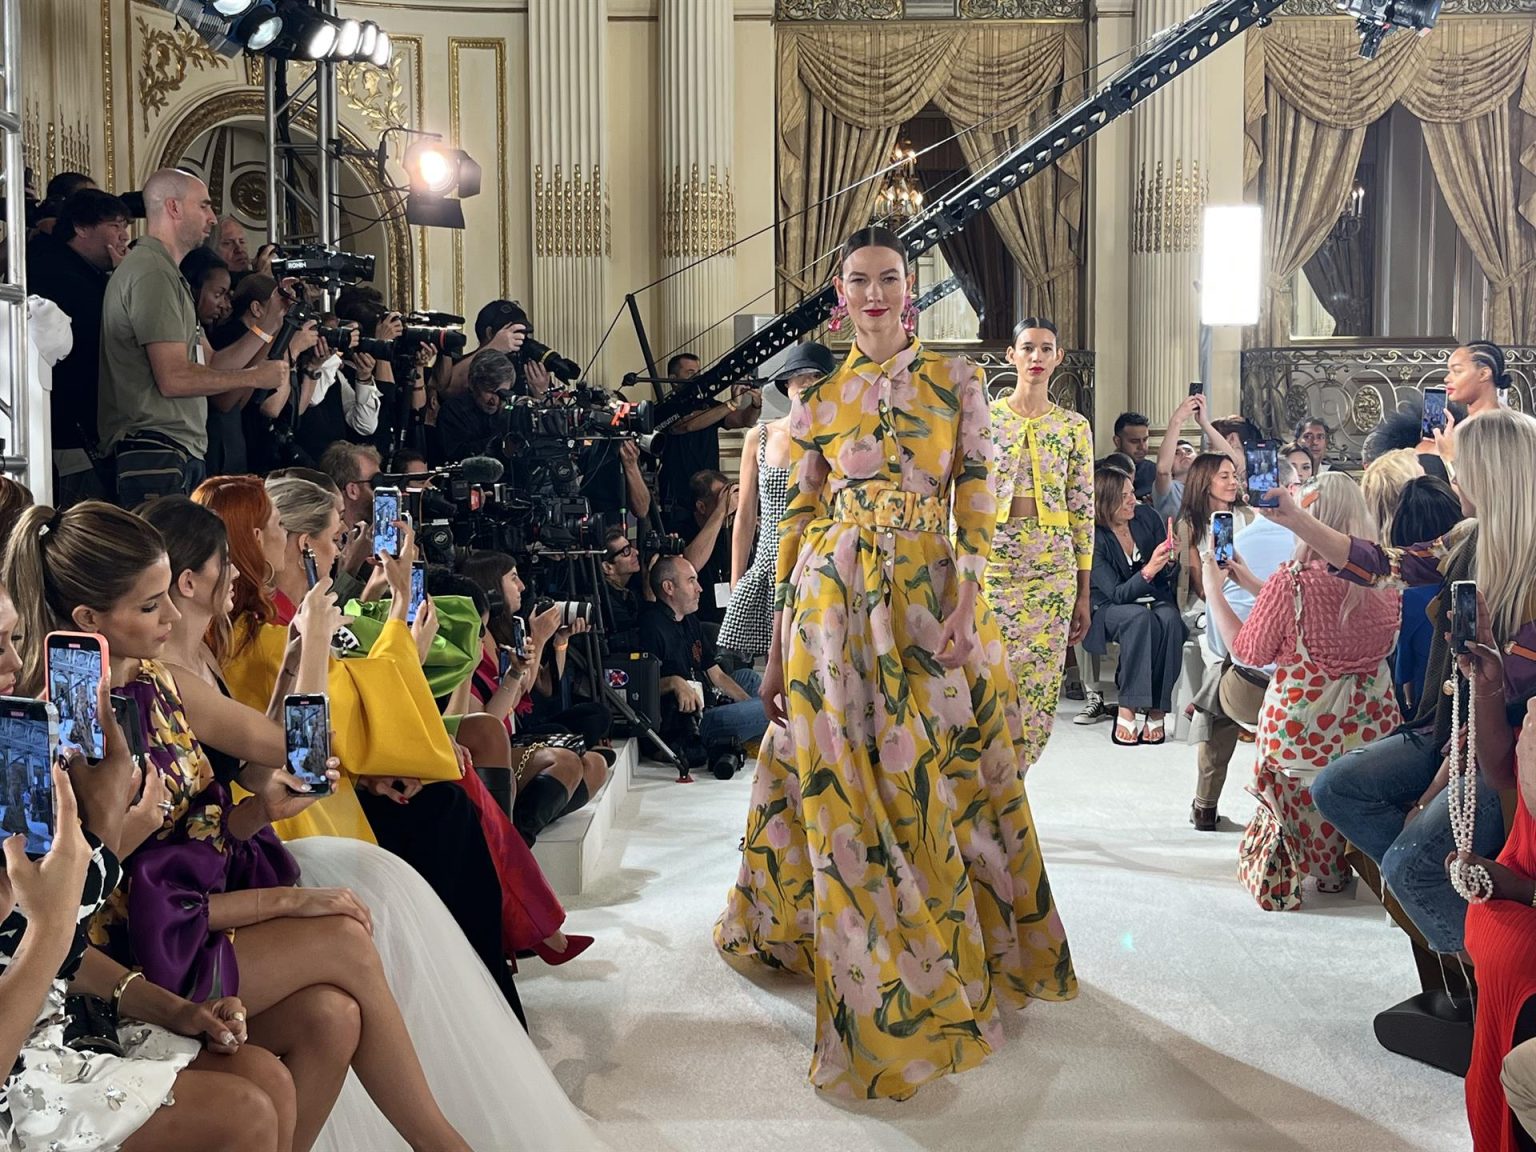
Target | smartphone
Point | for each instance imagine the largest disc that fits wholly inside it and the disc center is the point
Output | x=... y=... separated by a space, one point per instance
x=29 y=740
x=1196 y=388
x=1463 y=614
x=311 y=569
x=1434 y=413
x=1222 y=548
x=307 y=728
x=519 y=636
x=131 y=722
x=386 y=510
x=1263 y=474
x=503 y=662
x=418 y=590
x=75 y=662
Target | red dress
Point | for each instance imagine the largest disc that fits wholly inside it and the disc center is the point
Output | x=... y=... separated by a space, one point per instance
x=530 y=910
x=1500 y=939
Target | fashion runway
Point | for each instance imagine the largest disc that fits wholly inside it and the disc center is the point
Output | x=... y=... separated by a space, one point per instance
x=1203 y=1024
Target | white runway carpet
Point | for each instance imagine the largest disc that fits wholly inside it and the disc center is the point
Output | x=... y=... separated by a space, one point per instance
x=1203 y=1023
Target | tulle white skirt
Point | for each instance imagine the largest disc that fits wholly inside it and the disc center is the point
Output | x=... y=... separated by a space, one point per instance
x=485 y=1072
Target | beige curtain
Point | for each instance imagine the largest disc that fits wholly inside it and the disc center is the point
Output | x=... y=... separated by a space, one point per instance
x=844 y=93
x=1309 y=99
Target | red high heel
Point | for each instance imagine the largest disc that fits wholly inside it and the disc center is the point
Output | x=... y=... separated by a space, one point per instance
x=574 y=947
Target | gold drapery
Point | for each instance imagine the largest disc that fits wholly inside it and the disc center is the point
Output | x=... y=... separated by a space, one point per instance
x=843 y=95
x=1308 y=101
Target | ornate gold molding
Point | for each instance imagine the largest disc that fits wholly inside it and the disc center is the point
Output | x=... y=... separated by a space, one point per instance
x=1168 y=210
x=1450 y=8
x=570 y=214
x=1022 y=9
x=418 y=110
x=699 y=216
x=32 y=141
x=245 y=104
x=457 y=45
x=108 y=140
x=163 y=66
x=375 y=94
x=74 y=148
x=840 y=9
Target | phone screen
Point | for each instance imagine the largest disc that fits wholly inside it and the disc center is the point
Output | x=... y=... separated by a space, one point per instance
x=1463 y=614
x=1434 y=413
x=1221 y=538
x=28 y=740
x=519 y=636
x=1263 y=474
x=503 y=662
x=74 y=673
x=1196 y=388
x=307 y=728
x=386 y=510
x=418 y=591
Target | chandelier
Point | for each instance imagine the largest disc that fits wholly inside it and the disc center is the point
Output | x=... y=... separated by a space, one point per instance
x=1352 y=219
x=900 y=197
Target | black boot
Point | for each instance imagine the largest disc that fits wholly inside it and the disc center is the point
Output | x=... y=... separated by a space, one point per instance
x=540 y=802
x=1202 y=817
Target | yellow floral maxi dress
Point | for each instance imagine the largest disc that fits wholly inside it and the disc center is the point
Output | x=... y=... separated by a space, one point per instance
x=890 y=850
x=1032 y=571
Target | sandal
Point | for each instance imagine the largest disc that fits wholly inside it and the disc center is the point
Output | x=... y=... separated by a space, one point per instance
x=1154 y=732
x=1132 y=727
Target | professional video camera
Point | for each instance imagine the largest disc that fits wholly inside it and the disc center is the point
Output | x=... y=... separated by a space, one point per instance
x=322 y=266
x=559 y=366
x=579 y=412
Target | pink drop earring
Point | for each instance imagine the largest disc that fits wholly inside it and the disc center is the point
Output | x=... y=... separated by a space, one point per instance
x=839 y=314
x=909 y=315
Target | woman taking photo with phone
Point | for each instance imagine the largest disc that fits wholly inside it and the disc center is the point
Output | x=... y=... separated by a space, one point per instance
x=1331 y=691
x=1042 y=550
x=1213 y=485
x=209 y=902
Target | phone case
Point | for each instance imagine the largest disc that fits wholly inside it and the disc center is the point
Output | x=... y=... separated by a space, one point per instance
x=97 y=644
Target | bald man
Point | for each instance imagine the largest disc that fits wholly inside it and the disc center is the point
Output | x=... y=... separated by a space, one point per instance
x=157 y=368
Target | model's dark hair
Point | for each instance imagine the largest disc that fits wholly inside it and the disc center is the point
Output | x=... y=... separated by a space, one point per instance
x=1491 y=357
x=1029 y=322
x=1426 y=510
x=874 y=237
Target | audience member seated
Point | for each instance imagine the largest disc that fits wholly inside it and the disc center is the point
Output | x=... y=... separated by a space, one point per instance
x=697 y=695
x=71 y=267
x=621 y=575
x=705 y=523
x=1308 y=467
x=1175 y=456
x=353 y=469
x=1133 y=439
x=1314 y=435
x=1427 y=510
x=1214 y=484
x=304 y=965
x=1134 y=561
x=1387 y=799
x=1331 y=692
x=1382 y=483
x=1230 y=700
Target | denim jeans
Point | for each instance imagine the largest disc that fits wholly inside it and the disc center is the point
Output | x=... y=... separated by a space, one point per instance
x=1367 y=793
x=743 y=721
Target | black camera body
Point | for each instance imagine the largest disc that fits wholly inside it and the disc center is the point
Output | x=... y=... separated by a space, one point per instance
x=664 y=544
x=317 y=264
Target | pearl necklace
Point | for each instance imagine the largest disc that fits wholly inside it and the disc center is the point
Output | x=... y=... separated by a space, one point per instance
x=1471 y=881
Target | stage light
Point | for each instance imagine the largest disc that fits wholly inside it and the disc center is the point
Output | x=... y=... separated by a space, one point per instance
x=368 y=38
x=232 y=7
x=259 y=28
x=435 y=172
x=1230 y=264
x=383 y=51
x=431 y=169
x=347 y=38
x=317 y=38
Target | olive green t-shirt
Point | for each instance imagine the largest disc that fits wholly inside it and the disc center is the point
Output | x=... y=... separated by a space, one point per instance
x=148 y=302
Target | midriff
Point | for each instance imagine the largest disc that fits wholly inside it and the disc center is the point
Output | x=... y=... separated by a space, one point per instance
x=1023 y=508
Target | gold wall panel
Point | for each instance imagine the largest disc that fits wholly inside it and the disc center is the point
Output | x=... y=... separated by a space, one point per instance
x=458 y=48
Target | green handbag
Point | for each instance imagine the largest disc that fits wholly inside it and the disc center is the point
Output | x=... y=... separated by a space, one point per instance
x=455 y=651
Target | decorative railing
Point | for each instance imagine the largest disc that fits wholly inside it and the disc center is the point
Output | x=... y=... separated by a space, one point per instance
x=833 y=10
x=1071 y=386
x=1352 y=385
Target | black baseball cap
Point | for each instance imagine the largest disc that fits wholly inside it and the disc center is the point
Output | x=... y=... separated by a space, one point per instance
x=497 y=315
x=810 y=357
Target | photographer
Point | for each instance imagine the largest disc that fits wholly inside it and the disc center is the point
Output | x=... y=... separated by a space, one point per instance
x=357 y=398
x=71 y=267
x=158 y=368
x=501 y=326
x=726 y=707
x=621 y=569
x=705 y=524
x=692 y=445
x=227 y=241
x=469 y=421
x=612 y=480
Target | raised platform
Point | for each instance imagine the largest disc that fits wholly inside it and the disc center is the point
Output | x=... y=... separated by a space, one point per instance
x=568 y=849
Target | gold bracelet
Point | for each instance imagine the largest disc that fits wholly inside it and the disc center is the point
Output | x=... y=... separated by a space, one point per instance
x=122 y=986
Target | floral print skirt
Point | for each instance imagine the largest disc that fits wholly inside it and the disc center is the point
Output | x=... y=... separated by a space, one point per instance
x=890 y=852
x=1032 y=586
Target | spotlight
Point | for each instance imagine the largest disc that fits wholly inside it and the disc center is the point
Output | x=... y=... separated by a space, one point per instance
x=347 y=37
x=383 y=51
x=368 y=37
x=259 y=28
x=318 y=39
x=436 y=171
x=232 y=7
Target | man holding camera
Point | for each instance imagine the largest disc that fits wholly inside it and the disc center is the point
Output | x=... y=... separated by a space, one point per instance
x=693 y=685
x=501 y=327
x=470 y=421
x=621 y=565
x=692 y=445
x=706 y=524
x=157 y=368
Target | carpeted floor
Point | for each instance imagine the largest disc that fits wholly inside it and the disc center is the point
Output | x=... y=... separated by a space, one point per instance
x=1203 y=1024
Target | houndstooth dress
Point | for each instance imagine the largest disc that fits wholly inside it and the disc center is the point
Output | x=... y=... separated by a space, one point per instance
x=748 y=624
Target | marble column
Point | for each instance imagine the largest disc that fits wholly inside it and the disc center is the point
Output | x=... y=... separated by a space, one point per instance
x=1170 y=171
x=568 y=117
x=697 y=101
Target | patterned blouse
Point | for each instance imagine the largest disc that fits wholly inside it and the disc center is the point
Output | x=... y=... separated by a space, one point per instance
x=1049 y=457
x=897 y=438
x=1352 y=647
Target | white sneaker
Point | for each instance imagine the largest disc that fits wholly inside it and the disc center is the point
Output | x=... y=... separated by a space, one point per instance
x=1094 y=710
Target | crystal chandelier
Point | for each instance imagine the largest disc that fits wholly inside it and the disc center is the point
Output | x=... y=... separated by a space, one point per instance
x=900 y=198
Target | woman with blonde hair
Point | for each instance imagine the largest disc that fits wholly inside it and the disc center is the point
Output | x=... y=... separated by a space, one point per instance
x=1331 y=692
x=1383 y=482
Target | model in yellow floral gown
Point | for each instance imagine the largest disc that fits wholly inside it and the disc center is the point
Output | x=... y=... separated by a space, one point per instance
x=890 y=850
